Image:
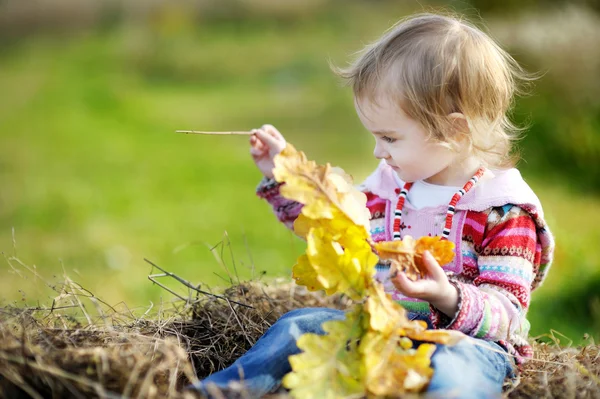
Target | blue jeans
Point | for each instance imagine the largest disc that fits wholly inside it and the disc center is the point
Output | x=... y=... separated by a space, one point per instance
x=460 y=371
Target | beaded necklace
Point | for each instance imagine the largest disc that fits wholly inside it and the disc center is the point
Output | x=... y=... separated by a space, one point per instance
x=451 y=207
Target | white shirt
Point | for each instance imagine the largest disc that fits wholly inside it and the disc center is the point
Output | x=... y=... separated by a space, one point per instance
x=423 y=194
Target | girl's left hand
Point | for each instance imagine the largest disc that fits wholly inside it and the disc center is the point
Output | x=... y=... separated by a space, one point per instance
x=434 y=287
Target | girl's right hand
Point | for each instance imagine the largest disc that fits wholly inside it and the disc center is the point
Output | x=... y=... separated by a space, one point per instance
x=265 y=143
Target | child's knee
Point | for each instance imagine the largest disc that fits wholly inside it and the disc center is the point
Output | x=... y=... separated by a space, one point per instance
x=310 y=319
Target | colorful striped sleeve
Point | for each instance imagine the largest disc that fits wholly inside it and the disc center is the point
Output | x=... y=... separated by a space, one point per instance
x=286 y=210
x=495 y=305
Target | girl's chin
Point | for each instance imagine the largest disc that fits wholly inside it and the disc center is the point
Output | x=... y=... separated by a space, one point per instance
x=399 y=173
x=404 y=176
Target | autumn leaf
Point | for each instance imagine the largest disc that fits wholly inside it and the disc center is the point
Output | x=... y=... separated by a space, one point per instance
x=339 y=226
x=443 y=337
x=329 y=365
x=407 y=254
x=340 y=269
x=442 y=250
x=320 y=188
x=389 y=318
x=385 y=315
x=338 y=256
x=392 y=369
x=304 y=274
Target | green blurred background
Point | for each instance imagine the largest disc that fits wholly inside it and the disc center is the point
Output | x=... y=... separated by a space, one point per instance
x=93 y=178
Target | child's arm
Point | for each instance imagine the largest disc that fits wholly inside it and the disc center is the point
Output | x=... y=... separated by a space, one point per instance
x=285 y=209
x=265 y=144
x=494 y=306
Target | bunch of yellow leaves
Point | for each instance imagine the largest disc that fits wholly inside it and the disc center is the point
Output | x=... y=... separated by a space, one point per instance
x=371 y=352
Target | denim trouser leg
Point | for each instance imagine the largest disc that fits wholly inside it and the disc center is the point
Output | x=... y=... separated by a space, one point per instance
x=461 y=371
x=264 y=365
x=473 y=368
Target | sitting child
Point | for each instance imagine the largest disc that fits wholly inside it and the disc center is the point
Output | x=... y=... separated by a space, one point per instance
x=434 y=92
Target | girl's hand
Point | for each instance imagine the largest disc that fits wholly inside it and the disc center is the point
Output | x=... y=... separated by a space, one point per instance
x=265 y=143
x=434 y=287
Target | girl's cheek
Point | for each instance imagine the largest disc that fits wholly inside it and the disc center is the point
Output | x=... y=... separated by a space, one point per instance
x=402 y=152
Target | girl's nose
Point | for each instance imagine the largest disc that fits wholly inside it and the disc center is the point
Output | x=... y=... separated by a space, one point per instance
x=379 y=152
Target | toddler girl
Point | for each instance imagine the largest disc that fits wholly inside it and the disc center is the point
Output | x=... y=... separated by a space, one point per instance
x=434 y=92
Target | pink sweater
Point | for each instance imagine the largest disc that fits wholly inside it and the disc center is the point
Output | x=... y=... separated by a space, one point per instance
x=503 y=251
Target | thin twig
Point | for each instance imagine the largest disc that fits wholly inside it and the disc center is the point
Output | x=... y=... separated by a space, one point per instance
x=239 y=323
x=73 y=294
x=14 y=242
x=214 y=133
x=50 y=309
x=152 y=278
x=190 y=286
x=219 y=258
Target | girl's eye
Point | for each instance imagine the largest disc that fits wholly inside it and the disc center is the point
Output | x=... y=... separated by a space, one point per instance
x=388 y=139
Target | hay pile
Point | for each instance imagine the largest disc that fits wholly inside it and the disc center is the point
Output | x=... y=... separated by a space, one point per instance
x=51 y=353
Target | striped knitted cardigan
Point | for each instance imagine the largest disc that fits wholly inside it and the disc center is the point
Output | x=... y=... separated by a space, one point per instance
x=503 y=251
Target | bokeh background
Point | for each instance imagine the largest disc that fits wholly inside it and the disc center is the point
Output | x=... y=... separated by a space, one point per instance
x=93 y=178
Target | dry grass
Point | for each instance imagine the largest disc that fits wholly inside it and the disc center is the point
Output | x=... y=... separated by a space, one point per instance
x=52 y=353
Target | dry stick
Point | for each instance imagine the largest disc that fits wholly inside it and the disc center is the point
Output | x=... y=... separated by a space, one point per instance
x=239 y=323
x=74 y=294
x=50 y=309
x=187 y=284
x=215 y=133
x=219 y=259
x=152 y=278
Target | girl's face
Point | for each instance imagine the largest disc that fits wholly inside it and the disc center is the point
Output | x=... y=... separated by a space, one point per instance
x=402 y=142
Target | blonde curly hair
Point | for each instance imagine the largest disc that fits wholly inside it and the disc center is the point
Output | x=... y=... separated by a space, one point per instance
x=434 y=65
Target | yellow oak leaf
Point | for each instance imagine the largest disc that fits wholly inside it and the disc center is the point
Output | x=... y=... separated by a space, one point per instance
x=406 y=255
x=401 y=254
x=391 y=368
x=337 y=268
x=385 y=315
x=329 y=365
x=304 y=274
x=339 y=226
x=390 y=319
x=444 y=337
x=319 y=188
x=442 y=250
x=338 y=256
x=411 y=369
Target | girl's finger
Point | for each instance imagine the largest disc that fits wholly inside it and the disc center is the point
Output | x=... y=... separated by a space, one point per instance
x=257 y=144
x=255 y=141
x=270 y=129
x=269 y=140
x=433 y=267
x=401 y=282
x=257 y=152
x=259 y=147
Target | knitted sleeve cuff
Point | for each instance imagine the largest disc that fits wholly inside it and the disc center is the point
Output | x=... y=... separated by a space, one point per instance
x=442 y=321
x=268 y=188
